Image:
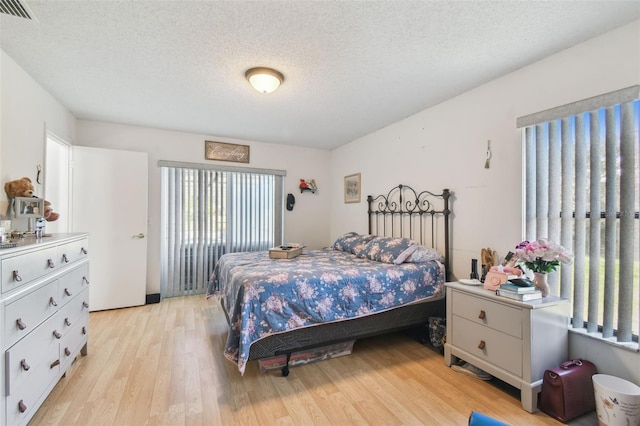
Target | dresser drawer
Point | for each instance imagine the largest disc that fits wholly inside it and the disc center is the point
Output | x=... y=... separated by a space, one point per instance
x=72 y=283
x=23 y=315
x=73 y=312
x=20 y=270
x=73 y=341
x=27 y=357
x=72 y=252
x=499 y=348
x=506 y=319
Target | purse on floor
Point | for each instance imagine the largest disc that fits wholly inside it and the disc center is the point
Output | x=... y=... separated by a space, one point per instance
x=567 y=390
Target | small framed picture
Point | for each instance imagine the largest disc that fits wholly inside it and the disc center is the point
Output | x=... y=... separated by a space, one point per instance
x=352 y=188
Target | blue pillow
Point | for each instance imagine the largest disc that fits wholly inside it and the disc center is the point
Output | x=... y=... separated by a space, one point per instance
x=352 y=242
x=388 y=249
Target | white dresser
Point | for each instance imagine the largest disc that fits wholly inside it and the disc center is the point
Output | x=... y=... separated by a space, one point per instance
x=44 y=306
x=511 y=340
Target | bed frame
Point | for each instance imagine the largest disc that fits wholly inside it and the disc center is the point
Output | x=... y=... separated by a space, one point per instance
x=402 y=212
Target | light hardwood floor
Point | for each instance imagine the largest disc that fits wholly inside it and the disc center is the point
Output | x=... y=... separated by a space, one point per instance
x=163 y=364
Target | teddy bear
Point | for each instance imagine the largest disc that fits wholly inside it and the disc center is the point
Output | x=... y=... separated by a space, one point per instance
x=17 y=188
x=49 y=214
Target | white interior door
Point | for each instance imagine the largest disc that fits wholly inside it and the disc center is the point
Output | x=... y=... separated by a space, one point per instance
x=110 y=202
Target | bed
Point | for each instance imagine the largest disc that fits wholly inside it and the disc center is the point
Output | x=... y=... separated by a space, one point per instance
x=389 y=279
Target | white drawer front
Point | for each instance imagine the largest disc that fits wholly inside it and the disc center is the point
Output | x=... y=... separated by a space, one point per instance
x=23 y=315
x=73 y=251
x=498 y=348
x=72 y=283
x=507 y=319
x=20 y=270
x=73 y=312
x=73 y=341
x=40 y=347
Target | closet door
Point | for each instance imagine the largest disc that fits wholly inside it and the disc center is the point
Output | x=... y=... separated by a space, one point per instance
x=110 y=202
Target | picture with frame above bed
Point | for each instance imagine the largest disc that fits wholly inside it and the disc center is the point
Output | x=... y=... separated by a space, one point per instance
x=389 y=279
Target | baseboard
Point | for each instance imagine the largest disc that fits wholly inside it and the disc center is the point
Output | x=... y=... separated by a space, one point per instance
x=153 y=298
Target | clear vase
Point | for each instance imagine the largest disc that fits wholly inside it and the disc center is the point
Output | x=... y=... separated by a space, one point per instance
x=540 y=282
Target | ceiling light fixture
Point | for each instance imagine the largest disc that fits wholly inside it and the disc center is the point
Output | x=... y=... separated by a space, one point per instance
x=264 y=80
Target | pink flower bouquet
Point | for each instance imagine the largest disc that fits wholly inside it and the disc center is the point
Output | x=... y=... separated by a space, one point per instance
x=542 y=256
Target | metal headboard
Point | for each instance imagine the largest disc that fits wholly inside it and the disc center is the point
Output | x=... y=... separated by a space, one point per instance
x=405 y=213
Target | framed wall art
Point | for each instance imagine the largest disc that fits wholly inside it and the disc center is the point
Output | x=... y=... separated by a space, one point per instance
x=352 y=188
x=226 y=152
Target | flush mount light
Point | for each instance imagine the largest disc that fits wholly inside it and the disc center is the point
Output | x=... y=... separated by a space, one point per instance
x=264 y=80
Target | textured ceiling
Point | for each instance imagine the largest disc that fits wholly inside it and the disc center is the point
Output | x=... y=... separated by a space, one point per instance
x=350 y=67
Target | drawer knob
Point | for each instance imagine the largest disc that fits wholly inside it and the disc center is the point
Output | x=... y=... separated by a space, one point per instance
x=67 y=352
x=20 y=324
x=53 y=301
x=85 y=304
x=67 y=292
x=55 y=363
x=16 y=276
x=21 y=406
x=482 y=315
x=481 y=345
x=51 y=263
x=84 y=330
x=57 y=334
x=65 y=259
x=24 y=365
x=85 y=280
x=67 y=322
x=84 y=250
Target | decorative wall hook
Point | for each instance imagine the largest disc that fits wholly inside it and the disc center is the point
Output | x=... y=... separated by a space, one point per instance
x=488 y=160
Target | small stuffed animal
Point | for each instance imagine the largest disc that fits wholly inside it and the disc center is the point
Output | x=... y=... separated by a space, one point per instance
x=17 y=188
x=49 y=214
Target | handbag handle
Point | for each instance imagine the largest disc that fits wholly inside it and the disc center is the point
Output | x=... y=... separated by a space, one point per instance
x=567 y=364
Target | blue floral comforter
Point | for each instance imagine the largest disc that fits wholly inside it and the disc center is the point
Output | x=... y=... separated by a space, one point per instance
x=265 y=296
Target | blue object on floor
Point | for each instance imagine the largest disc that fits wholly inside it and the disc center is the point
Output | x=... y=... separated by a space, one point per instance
x=479 y=419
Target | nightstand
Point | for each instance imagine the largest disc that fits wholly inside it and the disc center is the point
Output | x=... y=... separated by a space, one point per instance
x=511 y=340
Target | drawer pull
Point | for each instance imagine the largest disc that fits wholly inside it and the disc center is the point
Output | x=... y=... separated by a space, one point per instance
x=20 y=324
x=67 y=352
x=84 y=250
x=16 y=276
x=85 y=280
x=85 y=304
x=24 y=365
x=51 y=263
x=53 y=301
x=55 y=363
x=482 y=344
x=67 y=292
x=482 y=315
x=65 y=259
x=21 y=406
x=57 y=334
x=84 y=330
x=67 y=322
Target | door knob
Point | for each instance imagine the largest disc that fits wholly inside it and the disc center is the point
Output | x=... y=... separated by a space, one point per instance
x=138 y=236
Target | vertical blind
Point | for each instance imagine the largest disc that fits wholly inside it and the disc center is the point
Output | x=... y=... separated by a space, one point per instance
x=581 y=188
x=208 y=212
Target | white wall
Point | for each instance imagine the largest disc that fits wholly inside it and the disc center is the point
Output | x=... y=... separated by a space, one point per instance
x=307 y=223
x=27 y=113
x=445 y=146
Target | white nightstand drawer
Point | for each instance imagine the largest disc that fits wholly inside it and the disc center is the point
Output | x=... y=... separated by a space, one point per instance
x=506 y=319
x=493 y=346
x=23 y=315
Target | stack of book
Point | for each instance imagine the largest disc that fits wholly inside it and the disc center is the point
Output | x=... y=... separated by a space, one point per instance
x=522 y=294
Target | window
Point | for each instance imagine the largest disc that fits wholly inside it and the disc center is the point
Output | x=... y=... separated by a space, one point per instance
x=209 y=212
x=581 y=189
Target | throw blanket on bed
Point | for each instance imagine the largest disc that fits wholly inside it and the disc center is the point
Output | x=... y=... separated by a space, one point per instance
x=265 y=296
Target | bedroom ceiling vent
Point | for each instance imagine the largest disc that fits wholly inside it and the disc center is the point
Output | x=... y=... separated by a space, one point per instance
x=17 y=8
x=264 y=80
